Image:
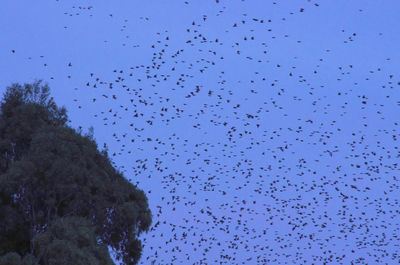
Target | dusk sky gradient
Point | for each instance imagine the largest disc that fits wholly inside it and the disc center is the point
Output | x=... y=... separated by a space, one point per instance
x=262 y=132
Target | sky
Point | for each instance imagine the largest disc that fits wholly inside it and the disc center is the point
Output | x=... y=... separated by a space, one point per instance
x=262 y=132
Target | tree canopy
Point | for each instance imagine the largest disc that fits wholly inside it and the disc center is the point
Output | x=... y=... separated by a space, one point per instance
x=61 y=200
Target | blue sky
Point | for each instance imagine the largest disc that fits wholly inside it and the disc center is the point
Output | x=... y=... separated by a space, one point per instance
x=263 y=132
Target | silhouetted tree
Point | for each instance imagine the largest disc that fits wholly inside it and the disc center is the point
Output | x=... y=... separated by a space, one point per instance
x=61 y=200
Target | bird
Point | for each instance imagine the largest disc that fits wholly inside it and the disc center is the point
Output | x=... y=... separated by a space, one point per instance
x=253 y=142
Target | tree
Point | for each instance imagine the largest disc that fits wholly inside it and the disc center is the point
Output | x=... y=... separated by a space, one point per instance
x=61 y=200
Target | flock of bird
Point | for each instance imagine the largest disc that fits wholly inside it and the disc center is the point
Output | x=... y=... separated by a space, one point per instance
x=254 y=145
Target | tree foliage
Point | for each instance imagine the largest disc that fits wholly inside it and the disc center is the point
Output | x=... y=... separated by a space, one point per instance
x=61 y=201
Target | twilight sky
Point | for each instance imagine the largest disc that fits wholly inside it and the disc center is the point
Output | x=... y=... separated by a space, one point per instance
x=263 y=132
